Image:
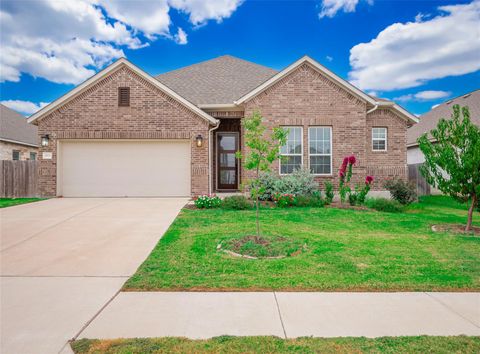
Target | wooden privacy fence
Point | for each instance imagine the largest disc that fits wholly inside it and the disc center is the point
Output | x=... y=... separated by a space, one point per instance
x=19 y=179
x=415 y=176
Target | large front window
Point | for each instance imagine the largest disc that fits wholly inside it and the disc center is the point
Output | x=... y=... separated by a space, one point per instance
x=292 y=151
x=320 y=150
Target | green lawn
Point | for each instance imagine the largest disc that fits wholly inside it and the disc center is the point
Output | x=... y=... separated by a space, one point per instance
x=347 y=250
x=262 y=345
x=6 y=202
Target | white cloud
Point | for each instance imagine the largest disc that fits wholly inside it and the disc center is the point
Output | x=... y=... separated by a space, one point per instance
x=329 y=58
x=201 y=11
x=409 y=54
x=25 y=107
x=181 y=36
x=423 y=96
x=67 y=41
x=330 y=8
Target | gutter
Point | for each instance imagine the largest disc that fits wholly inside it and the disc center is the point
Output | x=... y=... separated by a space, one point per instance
x=18 y=142
x=373 y=109
x=210 y=153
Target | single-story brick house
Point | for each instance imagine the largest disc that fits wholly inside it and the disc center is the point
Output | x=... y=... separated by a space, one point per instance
x=18 y=139
x=125 y=133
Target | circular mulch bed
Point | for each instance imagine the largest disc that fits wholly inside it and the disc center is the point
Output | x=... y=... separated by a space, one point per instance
x=262 y=247
x=456 y=228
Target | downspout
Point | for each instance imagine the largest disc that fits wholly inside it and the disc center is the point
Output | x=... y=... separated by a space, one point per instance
x=210 y=153
x=373 y=109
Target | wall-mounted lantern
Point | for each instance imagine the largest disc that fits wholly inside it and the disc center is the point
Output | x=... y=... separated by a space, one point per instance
x=45 y=140
x=199 y=140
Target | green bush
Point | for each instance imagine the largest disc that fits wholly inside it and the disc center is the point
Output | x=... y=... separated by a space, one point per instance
x=267 y=184
x=284 y=200
x=207 y=202
x=300 y=182
x=401 y=191
x=329 y=193
x=383 y=204
x=236 y=202
x=314 y=200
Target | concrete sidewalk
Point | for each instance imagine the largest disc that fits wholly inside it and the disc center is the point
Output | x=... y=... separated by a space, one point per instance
x=288 y=315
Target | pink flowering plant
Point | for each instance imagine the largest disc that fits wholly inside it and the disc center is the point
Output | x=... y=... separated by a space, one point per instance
x=357 y=195
x=207 y=201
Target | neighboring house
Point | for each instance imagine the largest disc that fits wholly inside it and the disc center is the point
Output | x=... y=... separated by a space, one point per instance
x=18 y=138
x=126 y=133
x=429 y=121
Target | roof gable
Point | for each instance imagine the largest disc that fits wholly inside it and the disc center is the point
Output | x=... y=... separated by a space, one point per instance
x=219 y=81
x=15 y=128
x=107 y=71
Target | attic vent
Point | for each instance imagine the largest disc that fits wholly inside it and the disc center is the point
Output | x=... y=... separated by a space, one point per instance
x=124 y=96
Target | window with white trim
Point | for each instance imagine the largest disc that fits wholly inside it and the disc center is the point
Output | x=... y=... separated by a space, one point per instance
x=320 y=150
x=379 y=139
x=292 y=151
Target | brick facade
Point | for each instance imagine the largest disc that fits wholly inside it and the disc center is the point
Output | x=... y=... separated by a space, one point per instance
x=307 y=98
x=95 y=114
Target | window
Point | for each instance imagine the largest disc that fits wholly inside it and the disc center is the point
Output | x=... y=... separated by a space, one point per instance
x=292 y=151
x=124 y=96
x=379 y=139
x=320 y=150
x=33 y=156
x=15 y=155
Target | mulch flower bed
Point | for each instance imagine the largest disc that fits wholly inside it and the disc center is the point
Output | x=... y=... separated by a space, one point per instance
x=456 y=228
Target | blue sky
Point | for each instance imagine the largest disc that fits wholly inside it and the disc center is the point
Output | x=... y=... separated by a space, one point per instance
x=419 y=53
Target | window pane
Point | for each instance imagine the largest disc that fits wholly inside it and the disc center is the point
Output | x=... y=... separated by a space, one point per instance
x=320 y=164
x=294 y=141
x=33 y=156
x=15 y=155
x=319 y=142
x=227 y=177
x=379 y=145
x=290 y=163
x=379 y=133
x=227 y=160
x=227 y=142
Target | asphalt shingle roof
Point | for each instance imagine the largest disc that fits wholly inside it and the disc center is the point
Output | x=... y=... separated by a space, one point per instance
x=14 y=126
x=429 y=120
x=220 y=80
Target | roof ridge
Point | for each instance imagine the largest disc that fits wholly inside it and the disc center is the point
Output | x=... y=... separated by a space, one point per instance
x=214 y=59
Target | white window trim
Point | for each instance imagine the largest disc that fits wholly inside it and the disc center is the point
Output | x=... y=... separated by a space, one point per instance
x=301 y=150
x=331 y=151
x=377 y=139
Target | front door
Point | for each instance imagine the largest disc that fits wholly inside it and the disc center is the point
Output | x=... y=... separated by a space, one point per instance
x=227 y=164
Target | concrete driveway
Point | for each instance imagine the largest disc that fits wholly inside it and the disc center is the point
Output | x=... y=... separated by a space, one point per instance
x=62 y=260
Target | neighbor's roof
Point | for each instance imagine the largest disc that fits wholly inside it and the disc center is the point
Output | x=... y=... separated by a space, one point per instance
x=220 y=80
x=429 y=120
x=15 y=128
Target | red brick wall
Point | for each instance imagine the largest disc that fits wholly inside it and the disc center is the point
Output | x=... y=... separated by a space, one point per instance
x=307 y=98
x=152 y=115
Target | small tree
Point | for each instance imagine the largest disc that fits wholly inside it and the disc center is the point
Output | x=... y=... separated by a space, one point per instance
x=262 y=150
x=452 y=159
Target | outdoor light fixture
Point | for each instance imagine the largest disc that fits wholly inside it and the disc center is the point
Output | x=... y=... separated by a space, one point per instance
x=199 y=140
x=45 y=140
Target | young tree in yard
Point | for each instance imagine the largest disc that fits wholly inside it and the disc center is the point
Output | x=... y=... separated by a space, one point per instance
x=262 y=150
x=452 y=159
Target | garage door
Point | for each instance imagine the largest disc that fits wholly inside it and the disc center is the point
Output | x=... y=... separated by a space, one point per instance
x=150 y=168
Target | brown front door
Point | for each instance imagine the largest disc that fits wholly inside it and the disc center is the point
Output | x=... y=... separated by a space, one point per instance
x=227 y=163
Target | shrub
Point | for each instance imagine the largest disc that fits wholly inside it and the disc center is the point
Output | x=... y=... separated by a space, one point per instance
x=383 y=204
x=284 y=200
x=236 y=202
x=300 y=182
x=401 y=191
x=266 y=182
x=207 y=202
x=328 y=192
x=314 y=200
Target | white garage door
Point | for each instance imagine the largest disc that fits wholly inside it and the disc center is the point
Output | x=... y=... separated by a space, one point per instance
x=109 y=168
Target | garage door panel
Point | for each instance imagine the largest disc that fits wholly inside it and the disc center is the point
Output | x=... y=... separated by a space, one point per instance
x=124 y=168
